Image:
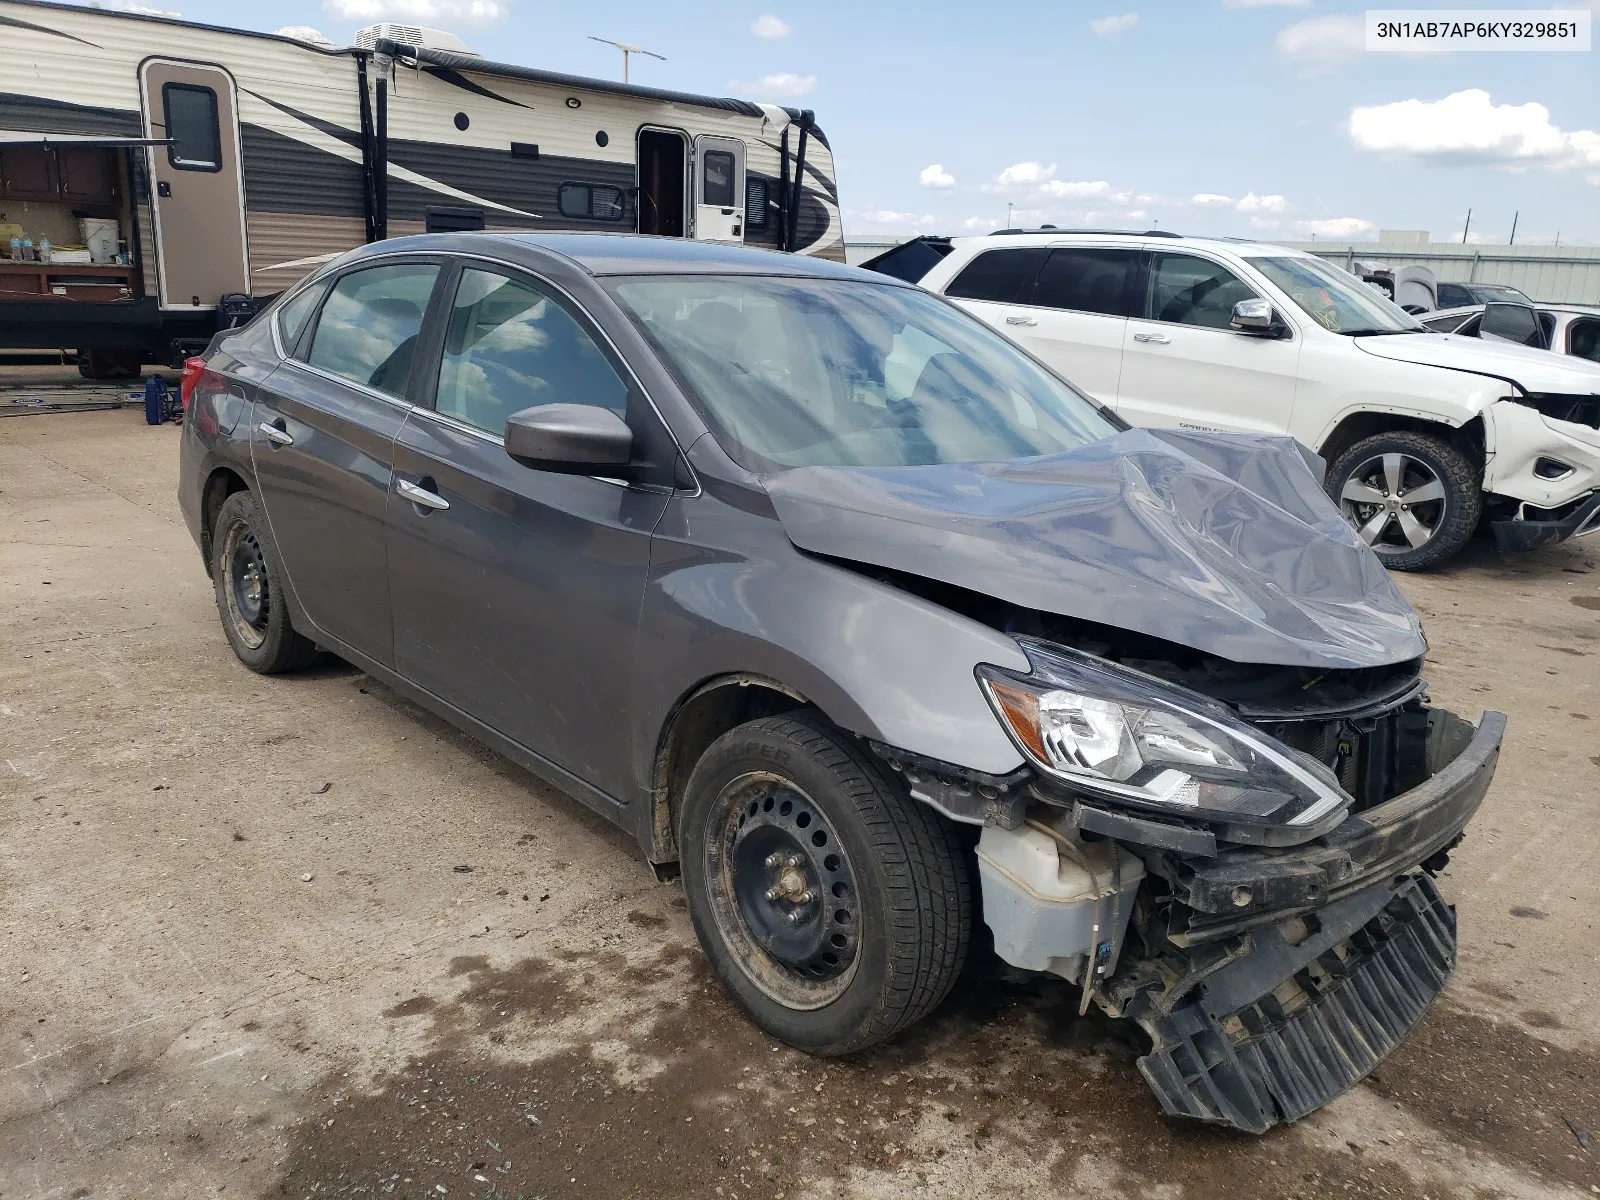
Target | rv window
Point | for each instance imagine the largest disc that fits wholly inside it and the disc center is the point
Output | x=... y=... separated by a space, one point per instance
x=591 y=202
x=368 y=328
x=717 y=185
x=755 y=203
x=191 y=114
x=292 y=317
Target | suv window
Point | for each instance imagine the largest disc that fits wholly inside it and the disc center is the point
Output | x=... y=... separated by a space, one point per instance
x=1087 y=280
x=1583 y=339
x=1453 y=295
x=1000 y=276
x=1188 y=290
x=510 y=346
x=367 y=331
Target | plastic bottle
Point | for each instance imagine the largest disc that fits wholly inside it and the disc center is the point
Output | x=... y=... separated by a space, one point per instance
x=44 y=249
x=27 y=249
x=16 y=249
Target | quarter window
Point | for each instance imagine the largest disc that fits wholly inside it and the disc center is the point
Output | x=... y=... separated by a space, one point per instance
x=1583 y=340
x=191 y=117
x=1000 y=276
x=368 y=329
x=292 y=317
x=1195 y=291
x=510 y=346
x=591 y=202
x=717 y=173
x=1093 y=281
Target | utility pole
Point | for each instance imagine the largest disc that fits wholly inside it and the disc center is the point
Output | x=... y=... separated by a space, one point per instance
x=1514 y=217
x=1466 y=227
x=627 y=50
x=1008 y=214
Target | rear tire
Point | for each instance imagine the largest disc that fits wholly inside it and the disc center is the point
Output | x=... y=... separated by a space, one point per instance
x=835 y=908
x=247 y=579
x=1413 y=497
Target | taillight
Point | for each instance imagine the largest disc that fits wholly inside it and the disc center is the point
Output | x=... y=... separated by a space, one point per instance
x=193 y=368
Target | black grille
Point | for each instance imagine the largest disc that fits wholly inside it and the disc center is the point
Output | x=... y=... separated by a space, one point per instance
x=1259 y=1049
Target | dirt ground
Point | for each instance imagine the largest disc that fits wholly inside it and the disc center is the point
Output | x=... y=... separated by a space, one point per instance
x=293 y=937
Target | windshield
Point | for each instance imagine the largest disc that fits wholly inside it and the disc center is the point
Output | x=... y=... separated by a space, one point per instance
x=1333 y=298
x=1499 y=291
x=823 y=372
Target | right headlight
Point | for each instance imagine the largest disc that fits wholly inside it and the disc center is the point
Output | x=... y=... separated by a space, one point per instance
x=1128 y=737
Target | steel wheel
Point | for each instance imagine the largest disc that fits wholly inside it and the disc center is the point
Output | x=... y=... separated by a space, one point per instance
x=248 y=592
x=1396 y=502
x=783 y=892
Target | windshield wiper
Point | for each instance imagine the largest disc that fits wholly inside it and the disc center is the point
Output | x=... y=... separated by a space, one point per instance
x=1378 y=332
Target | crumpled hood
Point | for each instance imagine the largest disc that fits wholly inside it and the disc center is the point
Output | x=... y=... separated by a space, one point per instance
x=1535 y=370
x=1221 y=542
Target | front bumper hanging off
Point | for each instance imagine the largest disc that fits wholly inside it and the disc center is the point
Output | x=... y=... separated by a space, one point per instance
x=1282 y=1030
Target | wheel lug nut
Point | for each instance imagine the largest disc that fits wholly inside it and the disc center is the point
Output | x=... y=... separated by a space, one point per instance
x=795 y=916
x=773 y=893
x=805 y=897
x=774 y=861
x=795 y=860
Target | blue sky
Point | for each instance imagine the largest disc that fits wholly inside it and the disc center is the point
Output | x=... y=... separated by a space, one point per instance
x=1254 y=117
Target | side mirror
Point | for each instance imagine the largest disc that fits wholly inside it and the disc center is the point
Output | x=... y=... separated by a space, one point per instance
x=574 y=439
x=1255 y=317
x=1512 y=323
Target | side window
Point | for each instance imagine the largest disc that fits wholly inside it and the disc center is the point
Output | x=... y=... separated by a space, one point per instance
x=368 y=328
x=191 y=116
x=1094 y=281
x=1000 y=276
x=1444 y=324
x=1452 y=295
x=1583 y=340
x=509 y=346
x=1194 y=291
x=591 y=202
x=717 y=174
x=292 y=317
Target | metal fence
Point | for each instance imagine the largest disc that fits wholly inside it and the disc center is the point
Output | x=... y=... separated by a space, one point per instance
x=1552 y=274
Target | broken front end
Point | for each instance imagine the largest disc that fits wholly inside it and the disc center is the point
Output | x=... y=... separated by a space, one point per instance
x=1239 y=858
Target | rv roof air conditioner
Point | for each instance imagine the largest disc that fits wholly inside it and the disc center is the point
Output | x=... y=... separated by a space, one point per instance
x=410 y=35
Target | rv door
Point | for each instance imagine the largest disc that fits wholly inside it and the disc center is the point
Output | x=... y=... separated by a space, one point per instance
x=719 y=189
x=197 y=190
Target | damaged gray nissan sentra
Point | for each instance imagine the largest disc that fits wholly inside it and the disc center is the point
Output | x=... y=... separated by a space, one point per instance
x=882 y=632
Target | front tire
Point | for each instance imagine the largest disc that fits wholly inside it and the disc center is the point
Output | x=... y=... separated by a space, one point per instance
x=835 y=908
x=248 y=582
x=1414 y=498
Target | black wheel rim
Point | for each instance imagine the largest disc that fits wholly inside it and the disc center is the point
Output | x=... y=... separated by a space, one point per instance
x=248 y=593
x=1396 y=502
x=783 y=891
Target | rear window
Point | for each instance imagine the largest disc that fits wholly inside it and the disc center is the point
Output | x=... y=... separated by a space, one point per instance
x=1000 y=276
x=292 y=317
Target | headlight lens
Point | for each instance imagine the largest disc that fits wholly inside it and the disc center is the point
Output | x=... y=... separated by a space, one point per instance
x=1129 y=737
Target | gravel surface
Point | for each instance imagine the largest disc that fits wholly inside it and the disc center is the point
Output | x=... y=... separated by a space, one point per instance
x=241 y=955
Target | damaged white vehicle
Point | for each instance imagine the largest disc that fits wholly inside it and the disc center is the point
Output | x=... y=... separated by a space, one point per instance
x=1425 y=435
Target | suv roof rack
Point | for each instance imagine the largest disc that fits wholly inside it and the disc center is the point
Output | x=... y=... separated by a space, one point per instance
x=1163 y=233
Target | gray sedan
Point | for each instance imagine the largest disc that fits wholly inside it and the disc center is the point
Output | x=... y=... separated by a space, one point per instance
x=879 y=630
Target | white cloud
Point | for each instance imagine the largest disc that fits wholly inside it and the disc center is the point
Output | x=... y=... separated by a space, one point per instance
x=132 y=6
x=1266 y=3
x=889 y=220
x=980 y=223
x=1111 y=26
x=1318 y=44
x=1345 y=228
x=1468 y=127
x=1210 y=199
x=1252 y=203
x=1068 y=189
x=304 y=33
x=1023 y=174
x=419 y=12
x=770 y=26
x=778 y=86
x=936 y=177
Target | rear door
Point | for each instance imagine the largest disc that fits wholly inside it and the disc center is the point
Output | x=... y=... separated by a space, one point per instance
x=197 y=183
x=322 y=438
x=718 y=189
x=1182 y=364
x=517 y=592
x=1079 y=314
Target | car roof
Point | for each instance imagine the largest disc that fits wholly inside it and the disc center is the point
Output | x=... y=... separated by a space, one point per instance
x=635 y=254
x=1154 y=237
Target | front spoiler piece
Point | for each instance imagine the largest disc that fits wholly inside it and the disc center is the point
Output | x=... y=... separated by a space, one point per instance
x=1282 y=1030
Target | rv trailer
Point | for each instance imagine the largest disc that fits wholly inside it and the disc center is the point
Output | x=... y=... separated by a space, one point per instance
x=183 y=173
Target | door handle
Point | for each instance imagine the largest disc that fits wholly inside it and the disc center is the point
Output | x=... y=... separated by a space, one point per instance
x=1021 y=321
x=275 y=433
x=1160 y=339
x=421 y=495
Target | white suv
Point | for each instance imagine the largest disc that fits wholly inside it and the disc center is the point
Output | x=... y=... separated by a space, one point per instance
x=1423 y=433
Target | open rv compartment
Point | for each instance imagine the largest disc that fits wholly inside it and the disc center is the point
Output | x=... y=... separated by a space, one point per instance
x=235 y=166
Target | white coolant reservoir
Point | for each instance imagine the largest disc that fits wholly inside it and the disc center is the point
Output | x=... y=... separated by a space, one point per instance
x=1045 y=891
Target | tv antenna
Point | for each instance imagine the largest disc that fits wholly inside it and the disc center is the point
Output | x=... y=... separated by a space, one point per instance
x=626 y=51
